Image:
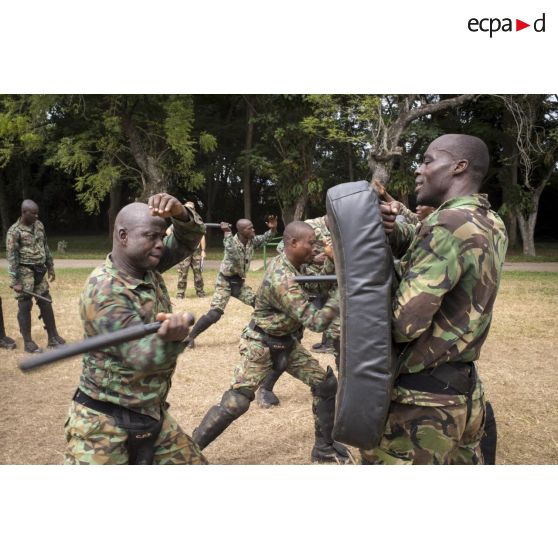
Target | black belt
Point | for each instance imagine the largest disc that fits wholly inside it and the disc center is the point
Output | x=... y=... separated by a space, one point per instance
x=142 y=430
x=450 y=378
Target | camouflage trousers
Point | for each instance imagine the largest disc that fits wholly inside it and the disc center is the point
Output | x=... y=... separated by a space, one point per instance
x=432 y=435
x=223 y=293
x=193 y=261
x=27 y=280
x=256 y=364
x=94 y=439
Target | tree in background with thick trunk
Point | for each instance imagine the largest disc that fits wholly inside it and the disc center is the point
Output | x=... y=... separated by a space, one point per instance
x=143 y=141
x=534 y=126
x=395 y=115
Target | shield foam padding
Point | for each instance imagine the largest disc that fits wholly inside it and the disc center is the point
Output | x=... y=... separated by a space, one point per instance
x=364 y=270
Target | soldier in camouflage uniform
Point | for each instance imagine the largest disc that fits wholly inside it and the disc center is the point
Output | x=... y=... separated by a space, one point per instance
x=119 y=412
x=239 y=250
x=29 y=260
x=194 y=261
x=270 y=342
x=451 y=268
x=5 y=341
x=318 y=292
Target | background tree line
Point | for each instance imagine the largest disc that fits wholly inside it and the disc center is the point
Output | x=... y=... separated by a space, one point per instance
x=82 y=157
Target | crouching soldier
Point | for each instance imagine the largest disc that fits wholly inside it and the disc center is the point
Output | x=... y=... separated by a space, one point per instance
x=270 y=343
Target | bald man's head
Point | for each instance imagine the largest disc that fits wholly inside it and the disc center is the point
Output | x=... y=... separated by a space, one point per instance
x=29 y=212
x=299 y=239
x=470 y=148
x=453 y=166
x=245 y=229
x=137 y=243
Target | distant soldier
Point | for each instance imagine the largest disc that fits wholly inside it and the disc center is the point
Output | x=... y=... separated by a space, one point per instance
x=29 y=260
x=194 y=261
x=239 y=250
x=5 y=341
x=318 y=293
x=451 y=265
x=119 y=413
x=270 y=342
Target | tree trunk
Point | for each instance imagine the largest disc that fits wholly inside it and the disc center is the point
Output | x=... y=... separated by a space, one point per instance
x=115 y=203
x=246 y=186
x=152 y=176
x=4 y=213
x=527 y=228
x=293 y=211
x=350 y=163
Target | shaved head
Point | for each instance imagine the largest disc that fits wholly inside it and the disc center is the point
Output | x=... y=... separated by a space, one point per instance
x=135 y=215
x=462 y=146
x=299 y=239
x=296 y=230
x=29 y=205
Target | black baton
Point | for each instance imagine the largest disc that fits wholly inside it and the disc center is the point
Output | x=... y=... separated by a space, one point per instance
x=316 y=278
x=95 y=343
x=215 y=225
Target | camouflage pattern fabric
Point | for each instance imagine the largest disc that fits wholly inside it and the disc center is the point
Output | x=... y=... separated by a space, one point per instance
x=436 y=435
x=194 y=261
x=222 y=294
x=410 y=217
x=94 y=439
x=256 y=364
x=136 y=375
x=26 y=278
x=282 y=305
x=451 y=271
x=451 y=268
x=27 y=245
x=237 y=256
x=323 y=234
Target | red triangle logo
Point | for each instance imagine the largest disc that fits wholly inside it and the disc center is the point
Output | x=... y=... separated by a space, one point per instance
x=519 y=25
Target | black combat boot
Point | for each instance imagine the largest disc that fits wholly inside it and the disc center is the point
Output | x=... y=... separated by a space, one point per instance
x=47 y=315
x=204 y=322
x=24 y=320
x=265 y=397
x=5 y=341
x=325 y=450
x=233 y=404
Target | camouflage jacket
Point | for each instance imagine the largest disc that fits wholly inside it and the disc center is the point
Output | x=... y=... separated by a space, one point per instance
x=26 y=244
x=410 y=217
x=137 y=374
x=451 y=271
x=282 y=305
x=237 y=257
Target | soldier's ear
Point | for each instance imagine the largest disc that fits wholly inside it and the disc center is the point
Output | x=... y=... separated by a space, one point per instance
x=123 y=236
x=460 y=166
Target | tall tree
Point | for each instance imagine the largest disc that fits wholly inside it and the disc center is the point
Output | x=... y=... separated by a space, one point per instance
x=535 y=127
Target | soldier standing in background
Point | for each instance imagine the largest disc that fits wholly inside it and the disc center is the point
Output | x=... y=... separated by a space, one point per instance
x=194 y=261
x=270 y=342
x=29 y=260
x=119 y=412
x=451 y=265
x=5 y=341
x=239 y=250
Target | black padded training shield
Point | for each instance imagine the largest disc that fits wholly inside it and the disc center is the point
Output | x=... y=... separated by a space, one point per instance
x=364 y=268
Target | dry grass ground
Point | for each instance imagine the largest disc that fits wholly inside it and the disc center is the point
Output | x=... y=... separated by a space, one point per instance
x=518 y=366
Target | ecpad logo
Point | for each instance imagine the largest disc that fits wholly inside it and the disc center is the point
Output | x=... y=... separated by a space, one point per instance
x=494 y=24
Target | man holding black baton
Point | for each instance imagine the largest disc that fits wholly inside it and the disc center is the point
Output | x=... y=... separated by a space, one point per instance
x=119 y=413
x=29 y=260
